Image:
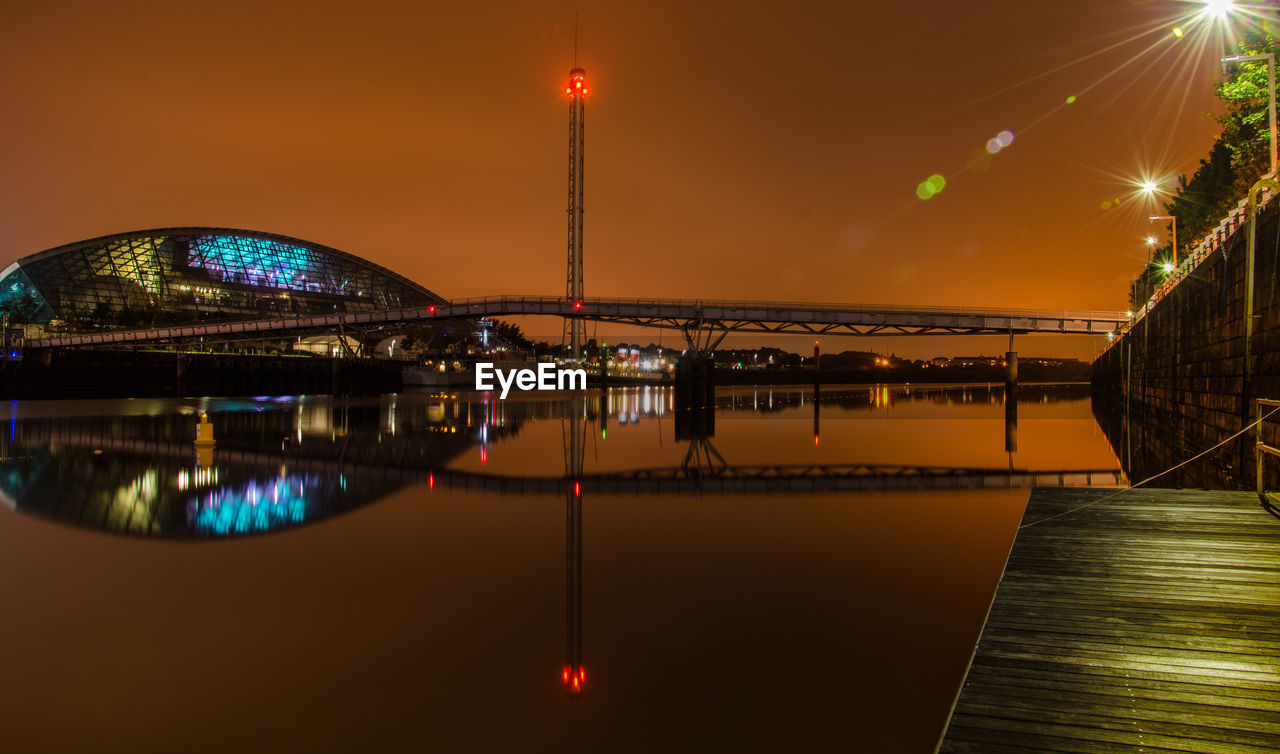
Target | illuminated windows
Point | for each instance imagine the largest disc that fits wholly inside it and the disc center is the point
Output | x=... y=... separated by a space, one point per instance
x=188 y=274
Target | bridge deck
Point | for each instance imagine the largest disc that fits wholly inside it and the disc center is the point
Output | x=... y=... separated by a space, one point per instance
x=1147 y=622
x=713 y=316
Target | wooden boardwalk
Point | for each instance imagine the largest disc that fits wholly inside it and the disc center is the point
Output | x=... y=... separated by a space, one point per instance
x=1147 y=622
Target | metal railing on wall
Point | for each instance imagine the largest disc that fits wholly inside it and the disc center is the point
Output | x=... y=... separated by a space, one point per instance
x=1214 y=240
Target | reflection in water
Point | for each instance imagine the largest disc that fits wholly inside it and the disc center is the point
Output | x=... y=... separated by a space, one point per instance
x=142 y=494
x=256 y=507
x=1165 y=443
x=280 y=462
x=574 y=675
x=738 y=591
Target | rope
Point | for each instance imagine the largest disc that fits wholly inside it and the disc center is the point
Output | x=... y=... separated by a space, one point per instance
x=1131 y=487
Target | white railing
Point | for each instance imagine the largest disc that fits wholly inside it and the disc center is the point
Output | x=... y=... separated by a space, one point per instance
x=1213 y=241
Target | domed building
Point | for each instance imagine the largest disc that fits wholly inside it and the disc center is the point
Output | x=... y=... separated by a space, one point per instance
x=175 y=275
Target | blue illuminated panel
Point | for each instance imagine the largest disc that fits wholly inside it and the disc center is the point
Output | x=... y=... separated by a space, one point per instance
x=17 y=293
x=267 y=263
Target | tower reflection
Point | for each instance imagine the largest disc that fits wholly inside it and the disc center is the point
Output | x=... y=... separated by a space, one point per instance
x=573 y=674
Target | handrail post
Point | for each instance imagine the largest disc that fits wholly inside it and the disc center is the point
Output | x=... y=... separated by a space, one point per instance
x=1257 y=447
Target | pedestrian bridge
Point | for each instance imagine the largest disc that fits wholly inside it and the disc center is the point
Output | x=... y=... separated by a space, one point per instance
x=715 y=319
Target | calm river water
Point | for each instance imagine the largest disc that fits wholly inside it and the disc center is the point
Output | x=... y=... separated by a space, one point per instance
x=424 y=571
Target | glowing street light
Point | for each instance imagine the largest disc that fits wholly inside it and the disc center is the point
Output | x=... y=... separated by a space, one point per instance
x=1218 y=8
x=1168 y=267
x=1173 y=227
x=1150 y=187
x=1271 y=91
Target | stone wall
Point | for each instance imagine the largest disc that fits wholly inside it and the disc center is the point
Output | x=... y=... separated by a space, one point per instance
x=1174 y=384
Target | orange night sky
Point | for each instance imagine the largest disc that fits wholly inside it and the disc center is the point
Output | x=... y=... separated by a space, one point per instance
x=740 y=150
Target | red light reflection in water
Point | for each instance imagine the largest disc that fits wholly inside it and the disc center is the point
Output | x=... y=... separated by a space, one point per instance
x=574 y=680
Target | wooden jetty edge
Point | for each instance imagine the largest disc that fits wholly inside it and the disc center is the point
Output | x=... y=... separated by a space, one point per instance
x=1148 y=621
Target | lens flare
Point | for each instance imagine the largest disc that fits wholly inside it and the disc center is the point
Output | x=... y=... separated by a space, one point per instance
x=930 y=186
x=1218 y=8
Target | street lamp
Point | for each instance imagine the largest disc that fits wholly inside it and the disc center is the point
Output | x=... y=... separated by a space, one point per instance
x=1173 y=226
x=1271 y=92
x=1218 y=8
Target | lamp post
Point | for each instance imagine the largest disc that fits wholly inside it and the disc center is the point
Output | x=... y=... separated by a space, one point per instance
x=1271 y=93
x=1173 y=226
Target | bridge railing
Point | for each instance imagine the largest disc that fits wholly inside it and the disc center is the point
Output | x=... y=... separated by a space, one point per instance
x=813 y=305
x=691 y=310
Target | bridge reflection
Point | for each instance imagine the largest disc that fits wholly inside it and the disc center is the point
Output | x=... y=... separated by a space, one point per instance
x=281 y=464
x=284 y=463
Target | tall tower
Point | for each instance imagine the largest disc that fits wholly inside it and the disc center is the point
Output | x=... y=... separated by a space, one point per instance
x=577 y=90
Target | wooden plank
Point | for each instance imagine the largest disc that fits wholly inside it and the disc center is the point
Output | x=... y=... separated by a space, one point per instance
x=1136 y=620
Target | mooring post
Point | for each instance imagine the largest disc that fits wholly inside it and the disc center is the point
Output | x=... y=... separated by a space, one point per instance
x=817 y=364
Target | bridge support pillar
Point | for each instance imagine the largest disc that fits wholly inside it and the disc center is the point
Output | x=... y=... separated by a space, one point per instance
x=1011 y=364
x=695 y=381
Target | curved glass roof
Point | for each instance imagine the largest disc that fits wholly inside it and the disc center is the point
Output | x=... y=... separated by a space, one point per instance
x=187 y=274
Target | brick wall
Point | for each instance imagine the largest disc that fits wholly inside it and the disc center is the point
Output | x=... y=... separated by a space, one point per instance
x=1173 y=385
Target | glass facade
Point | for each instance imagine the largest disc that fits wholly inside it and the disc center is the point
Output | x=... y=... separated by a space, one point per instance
x=196 y=274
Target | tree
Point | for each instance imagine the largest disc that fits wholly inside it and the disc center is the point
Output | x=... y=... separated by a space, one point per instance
x=1246 y=128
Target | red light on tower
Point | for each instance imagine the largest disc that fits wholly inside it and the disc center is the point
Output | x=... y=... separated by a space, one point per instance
x=432 y=309
x=577 y=81
x=577 y=304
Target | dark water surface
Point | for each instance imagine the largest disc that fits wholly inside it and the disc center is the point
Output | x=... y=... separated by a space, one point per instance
x=417 y=572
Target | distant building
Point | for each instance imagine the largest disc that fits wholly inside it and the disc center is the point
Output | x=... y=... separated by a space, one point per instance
x=185 y=274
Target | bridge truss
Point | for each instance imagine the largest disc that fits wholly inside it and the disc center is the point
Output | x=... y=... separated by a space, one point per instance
x=703 y=323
